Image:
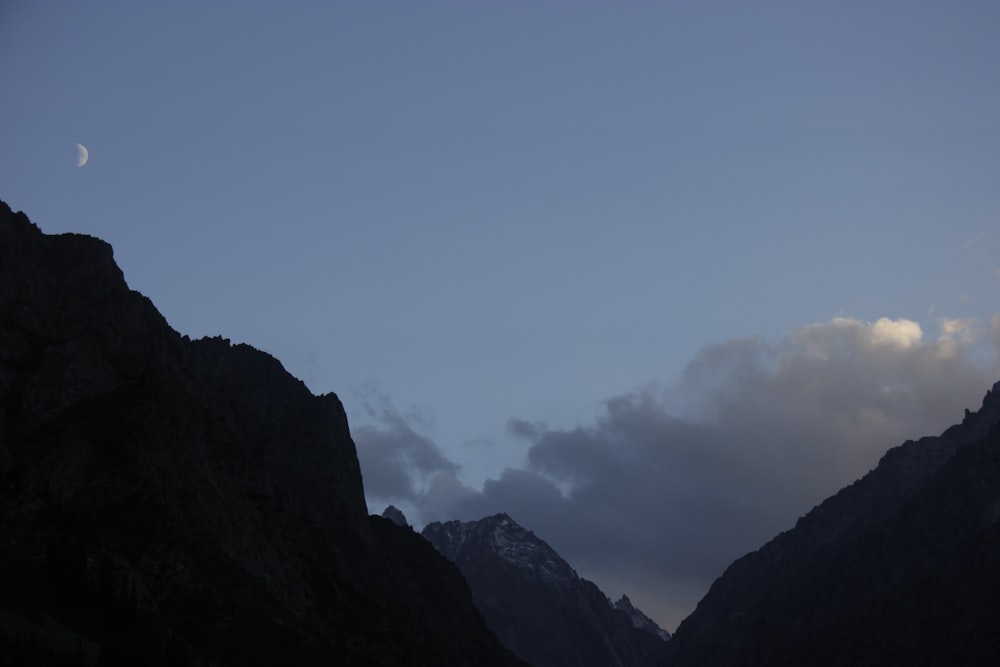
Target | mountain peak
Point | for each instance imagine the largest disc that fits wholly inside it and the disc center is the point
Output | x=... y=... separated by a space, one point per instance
x=393 y=513
x=504 y=538
x=536 y=603
x=639 y=619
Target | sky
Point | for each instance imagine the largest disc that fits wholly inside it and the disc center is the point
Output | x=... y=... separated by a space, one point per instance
x=654 y=278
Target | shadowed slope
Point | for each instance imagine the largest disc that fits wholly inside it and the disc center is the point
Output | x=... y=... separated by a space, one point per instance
x=169 y=502
x=899 y=568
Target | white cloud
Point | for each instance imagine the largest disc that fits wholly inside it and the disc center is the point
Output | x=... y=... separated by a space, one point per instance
x=956 y=333
x=900 y=333
x=959 y=328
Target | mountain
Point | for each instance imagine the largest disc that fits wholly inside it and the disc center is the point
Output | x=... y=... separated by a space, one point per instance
x=392 y=513
x=165 y=501
x=900 y=568
x=639 y=619
x=536 y=603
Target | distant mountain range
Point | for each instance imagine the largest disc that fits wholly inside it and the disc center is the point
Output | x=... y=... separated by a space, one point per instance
x=537 y=604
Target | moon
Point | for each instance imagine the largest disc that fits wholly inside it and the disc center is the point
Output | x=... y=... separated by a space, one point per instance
x=82 y=155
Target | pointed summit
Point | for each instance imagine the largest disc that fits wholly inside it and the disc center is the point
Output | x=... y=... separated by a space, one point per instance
x=536 y=603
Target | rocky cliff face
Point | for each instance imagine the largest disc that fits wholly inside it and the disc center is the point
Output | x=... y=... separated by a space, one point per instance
x=536 y=603
x=173 y=502
x=900 y=568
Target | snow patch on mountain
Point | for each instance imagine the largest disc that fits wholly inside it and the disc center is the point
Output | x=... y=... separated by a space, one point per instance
x=504 y=537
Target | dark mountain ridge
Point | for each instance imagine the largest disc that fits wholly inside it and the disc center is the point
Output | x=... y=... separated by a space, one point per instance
x=901 y=567
x=537 y=604
x=165 y=501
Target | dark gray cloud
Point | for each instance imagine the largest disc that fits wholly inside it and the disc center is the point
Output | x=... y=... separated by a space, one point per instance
x=395 y=459
x=667 y=486
x=526 y=430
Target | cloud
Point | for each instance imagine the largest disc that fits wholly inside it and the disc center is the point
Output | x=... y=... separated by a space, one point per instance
x=667 y=485
x=525 y=430
x=396 y=460
x=900 y=333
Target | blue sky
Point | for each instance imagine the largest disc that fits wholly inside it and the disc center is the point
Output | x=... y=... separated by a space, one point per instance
x=456 y=215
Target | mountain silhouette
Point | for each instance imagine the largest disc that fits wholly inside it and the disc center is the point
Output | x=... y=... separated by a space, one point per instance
x=900 y=568
x=166 y=501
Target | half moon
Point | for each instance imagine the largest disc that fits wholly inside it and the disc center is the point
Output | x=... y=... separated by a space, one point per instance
x=82 y=155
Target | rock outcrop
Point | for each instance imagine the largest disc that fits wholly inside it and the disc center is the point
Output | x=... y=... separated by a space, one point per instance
x=393 y=513
x=900 y=568
x=639 y=619
x=536 y=603
x=165 y=501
